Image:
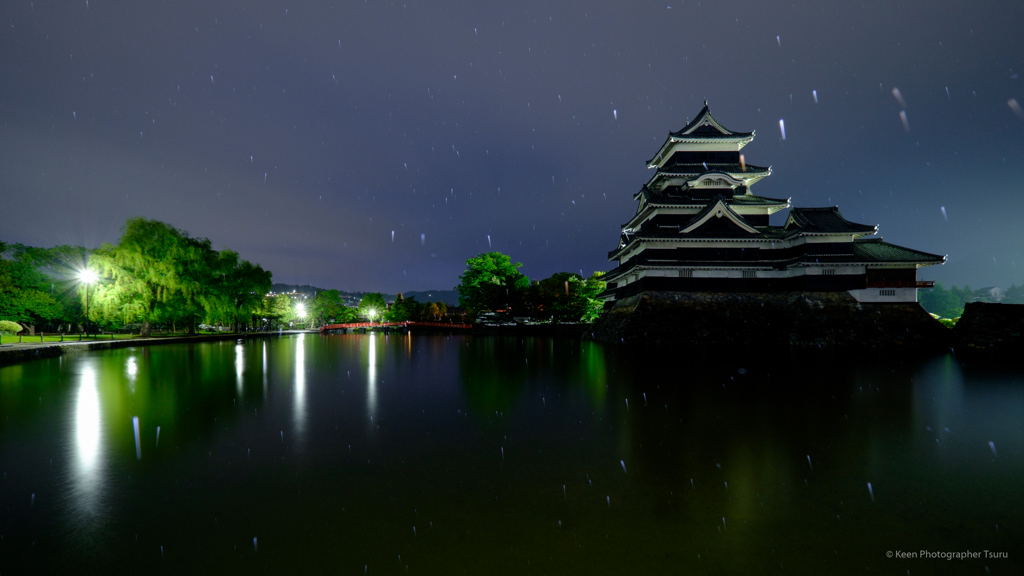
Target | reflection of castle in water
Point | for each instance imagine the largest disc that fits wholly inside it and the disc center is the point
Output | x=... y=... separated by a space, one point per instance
x=698 y=228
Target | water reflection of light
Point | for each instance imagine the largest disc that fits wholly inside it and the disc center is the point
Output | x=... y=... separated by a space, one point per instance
x=87 y=439
x=300 y=384
x=132 y=368
x=239 y=366
x=594 y=372
x=264 y=369
x=371 y=384
x=939 y=397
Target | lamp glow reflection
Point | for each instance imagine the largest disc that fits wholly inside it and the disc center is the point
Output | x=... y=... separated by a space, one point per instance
x=371 y=372
x=239 y=366
x=132 y=368
x=87 y=420
x=87 y=441
x=300 y=385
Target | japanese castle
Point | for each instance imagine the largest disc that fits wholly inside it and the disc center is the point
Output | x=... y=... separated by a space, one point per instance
x=698 y=228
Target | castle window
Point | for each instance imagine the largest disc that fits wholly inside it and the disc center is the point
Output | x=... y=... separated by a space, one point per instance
x=828 y=272
x=887 y=292
x=749 y=274
x=686 y=273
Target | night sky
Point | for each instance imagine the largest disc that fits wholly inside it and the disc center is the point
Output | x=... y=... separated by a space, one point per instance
x=376 y=145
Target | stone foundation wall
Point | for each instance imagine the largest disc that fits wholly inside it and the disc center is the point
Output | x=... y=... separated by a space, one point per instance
x=991 y=327
x=783 y=319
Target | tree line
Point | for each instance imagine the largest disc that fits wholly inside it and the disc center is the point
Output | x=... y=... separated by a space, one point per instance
x=154 y=274
x=158 y=275
x=949 y=302
x=36 y=286
x=493 y=283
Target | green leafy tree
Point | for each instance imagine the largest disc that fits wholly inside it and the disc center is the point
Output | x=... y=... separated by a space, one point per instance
x=195 y=262
x=947 y=303
x=442 y=309
x=113 y=301
x=142 y=267
x=588 y=293
x=9 y=328
x=26 y=291
x=492 y=282
x=373 y=305
x=404 y=309
x=159 y=273
x=155 y=273
x=273 y=311
x=241 y=288
x=965 y=294
x=328 y=307
x=567 y=297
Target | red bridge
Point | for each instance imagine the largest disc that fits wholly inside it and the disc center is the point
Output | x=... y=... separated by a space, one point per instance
x=409 y=324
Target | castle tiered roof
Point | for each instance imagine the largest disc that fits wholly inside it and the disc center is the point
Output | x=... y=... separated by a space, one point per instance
x=704 y=130
x=704 y=125
x=824 y=221
x=697 y=226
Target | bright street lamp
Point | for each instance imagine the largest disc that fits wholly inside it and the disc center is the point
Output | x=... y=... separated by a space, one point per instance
x=300 y=311
x=371 y=313
x=87 y=277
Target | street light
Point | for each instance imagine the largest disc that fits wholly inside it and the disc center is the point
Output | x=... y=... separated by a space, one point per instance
x=300 y=311
x=87 y=277
x=371 y=313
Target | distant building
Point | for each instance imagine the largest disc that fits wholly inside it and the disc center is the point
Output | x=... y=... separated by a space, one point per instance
x=698 y=228
x=989 y=294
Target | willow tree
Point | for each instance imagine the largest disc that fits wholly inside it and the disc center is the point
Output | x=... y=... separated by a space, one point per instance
x=239 y=286
x=197 y=270
x=142 y=268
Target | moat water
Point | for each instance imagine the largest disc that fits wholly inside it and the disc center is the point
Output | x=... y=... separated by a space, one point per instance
x=373 y=454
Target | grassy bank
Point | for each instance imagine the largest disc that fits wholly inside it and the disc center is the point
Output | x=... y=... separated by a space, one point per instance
x=105 y=337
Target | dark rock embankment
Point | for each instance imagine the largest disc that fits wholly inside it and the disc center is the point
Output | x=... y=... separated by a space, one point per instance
x=779 y=320
x=996 y=328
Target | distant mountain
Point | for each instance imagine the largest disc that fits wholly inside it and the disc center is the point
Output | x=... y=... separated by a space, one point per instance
x=449 y=297
x=305 y=288
x=349 y=298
